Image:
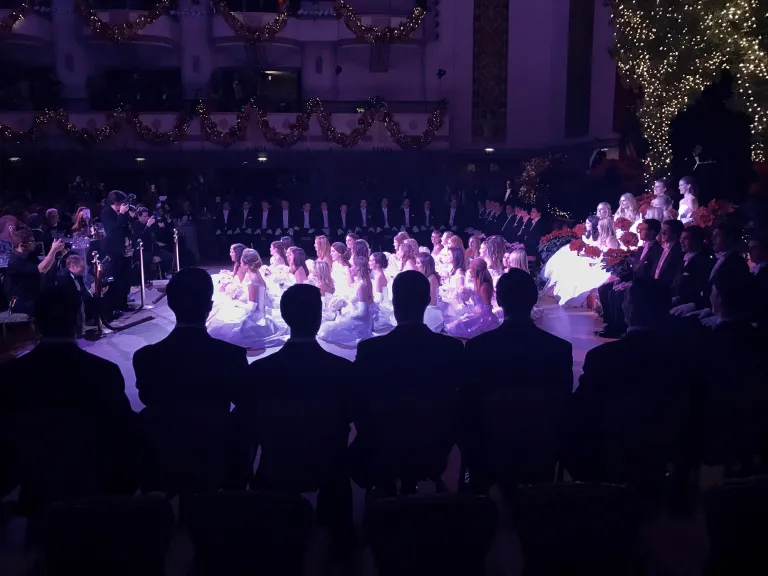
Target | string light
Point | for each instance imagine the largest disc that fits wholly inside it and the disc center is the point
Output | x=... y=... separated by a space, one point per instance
x=670 y=53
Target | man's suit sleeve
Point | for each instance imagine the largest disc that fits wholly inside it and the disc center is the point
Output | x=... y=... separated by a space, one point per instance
x=241 y=375
x=143 y=384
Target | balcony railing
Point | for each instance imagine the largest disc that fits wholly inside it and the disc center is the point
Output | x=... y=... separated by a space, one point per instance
x=142 y=5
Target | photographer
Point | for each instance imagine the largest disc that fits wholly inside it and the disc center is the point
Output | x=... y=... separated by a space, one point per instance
x=118 y=250
x=26 y=271
x=144 y=229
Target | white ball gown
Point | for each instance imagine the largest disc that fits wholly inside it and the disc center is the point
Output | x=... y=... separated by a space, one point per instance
x=353 y=324
x=245 y=323
x=479 y=320
x=383 y=314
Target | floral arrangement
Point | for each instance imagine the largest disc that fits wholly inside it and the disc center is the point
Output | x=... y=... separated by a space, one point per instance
x=622 y=224
x=577 y=245
x=465 y=294
x=592 y=252
x=337 y=304
x=579 y=230
x=281 y=276
x=552 y=242
x=234 y=291
x=616 y=261
x=705 y=216
x=629 y=239
x=644 y=202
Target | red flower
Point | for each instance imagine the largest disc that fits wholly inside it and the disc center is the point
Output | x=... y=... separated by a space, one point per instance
x=644 y=202
x=563 y=232
x=577 y=246
x=629 y=239
x=579 y=230
x=622 y=224
x=592 y=252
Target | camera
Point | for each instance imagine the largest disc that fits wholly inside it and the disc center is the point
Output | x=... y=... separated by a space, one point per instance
x=131 y=201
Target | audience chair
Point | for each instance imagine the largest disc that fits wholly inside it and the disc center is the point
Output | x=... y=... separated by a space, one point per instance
x=245 y=533
x=574 y=529
x=115 y=536
x=737 y=522
x=442 y=534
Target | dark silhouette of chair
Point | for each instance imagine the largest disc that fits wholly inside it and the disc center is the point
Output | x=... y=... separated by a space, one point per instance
x=115 y=536
x=250 y=533
x=572 y=528
x=187 y=450
x=737 y=522
x=437 y=534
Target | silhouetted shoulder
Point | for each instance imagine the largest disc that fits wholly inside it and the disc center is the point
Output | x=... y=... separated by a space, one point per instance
x=451 y=344
x=222 y=347
x=604 y=350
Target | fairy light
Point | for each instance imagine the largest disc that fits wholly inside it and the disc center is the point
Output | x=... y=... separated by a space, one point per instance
x=671 y=53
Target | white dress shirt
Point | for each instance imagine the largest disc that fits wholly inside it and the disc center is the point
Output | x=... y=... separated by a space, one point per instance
x=426 y=217
x=453 y=215
x=325 y=219
x=343 y=220
x=245 y=218
x=407 y=217
x=264 y=216
x=688 y=256
x=664 y=254
x=721 y=256
x=386 y=217
x=363 y=213
x=225 y=213
x=285 y=218
x=306 y=220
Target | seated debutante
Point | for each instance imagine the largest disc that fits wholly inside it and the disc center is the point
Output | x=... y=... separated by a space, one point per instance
x=243 y=320
x=321 y=277
x=340 y=270
x=297 y=262
x=433 y=315
x=361 y=249
x=227 y=280
x=628 y=209
x=383 y=318
x=323 y=249
x=355 y=323
x=407 y=256
x=481 y=318
x=277 y=253
x=561 y=262
x=493 y=254
x=452 y=289
x=689 y=203
x=437 y=243
x=444 y=259
x=665 y=203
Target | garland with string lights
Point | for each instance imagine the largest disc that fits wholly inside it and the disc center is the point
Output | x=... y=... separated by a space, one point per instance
x=375 y=111
x=125 y=30
x=671 y=52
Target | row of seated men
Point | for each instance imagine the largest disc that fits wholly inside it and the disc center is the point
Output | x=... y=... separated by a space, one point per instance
x=505 y=398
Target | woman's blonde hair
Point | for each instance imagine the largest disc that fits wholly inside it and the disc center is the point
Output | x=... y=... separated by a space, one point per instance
x=322 y=272
x=479 y=273
x=364 y=273
x=494 y=247
x=323 y=247
x=518 y=259
x=251 y=260
x=400 y=237
x=605 y=229
x=631 y=212
x=408 y=253
x=605 y=205
x=457 y=241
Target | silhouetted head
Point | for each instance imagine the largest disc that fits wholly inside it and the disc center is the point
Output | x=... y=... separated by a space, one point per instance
x=516 y=293
x=302 y=309
x=56 y=311
x=410 y=297
x=190 y=296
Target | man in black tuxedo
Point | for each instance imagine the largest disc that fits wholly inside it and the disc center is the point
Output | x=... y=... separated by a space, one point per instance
x=385 y=223
x=264 y=227
x=325 y=220
x=286 y=221
x=407 y=218
x=118 y=250
x=452 y=219
x=224 y=228
x=177 y=371
x=302 y=425
x=507 y=229
x=671 y=259
x=426 y=222
x=526 y=403
x=726 y=244
x=524 y=224
x=693 y=276
x=342 y=223
x=494 y=220
x=629 y=417
x=539 y=227
x=66 y=414
x=307 y=222
x=244 y=223
x=643 y=264
x=406 y=410
x=71 y=277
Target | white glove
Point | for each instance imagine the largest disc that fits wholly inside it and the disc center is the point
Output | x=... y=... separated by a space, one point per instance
x=709 y=322
x=218 y=232
x=229 y=232
x=357 y=229
x=454 y=228
x=378 y=230
x=682 y=310
x=311 y=231
x=278 y=232
x=269 y=231
x=326 y=231
x=402 y=228
x=339 y=231
x=415 y=229
x=423 y=228
x=248 y=231
x=432 y=228
x=258 y=232
x=290 y=231
x=296 y=228
x=237 y=230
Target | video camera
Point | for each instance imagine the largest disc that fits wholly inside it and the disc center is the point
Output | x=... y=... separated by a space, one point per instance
x=131 y=201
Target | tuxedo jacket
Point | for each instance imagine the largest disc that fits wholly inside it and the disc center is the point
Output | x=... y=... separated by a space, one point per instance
x=344 y=224
x=692 y=280
x=532 y=239
x=457 y=219
x=522 y=233
x=321 y=220
x=412 y=218
x=392 y=219
x=271 y=221
x=507 y=228
x=644 y=266
x=117 y=227
x=313 y=223
x=242 y=220
x=357 y=217
x=734 y=265
x=670 y=268
x=492 y=223
x=224 y=222
x=280 y=223
x=427 y=220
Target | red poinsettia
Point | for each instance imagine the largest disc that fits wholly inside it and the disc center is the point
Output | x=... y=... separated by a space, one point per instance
x=592 y=252
x=579 y=230
x=562 y=233
x=644 y=202
x=622 y=224
x=629 y=239
x=577 y=246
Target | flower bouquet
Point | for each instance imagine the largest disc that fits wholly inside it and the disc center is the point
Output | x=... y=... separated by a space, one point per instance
x=629 y=240
x=579 y=230
x=644 y=202
x=337 y=304
x=551 y=243
x=592 y=252
x=577 y=245
x=616 y=261
x=705 y=216
x=622 y=224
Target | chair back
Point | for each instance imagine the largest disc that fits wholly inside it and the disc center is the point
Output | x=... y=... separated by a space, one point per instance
x=574 y=528
x=436 y=534
x=115 y=536
x=737 y=522
x=186 y=450
x=245 y=533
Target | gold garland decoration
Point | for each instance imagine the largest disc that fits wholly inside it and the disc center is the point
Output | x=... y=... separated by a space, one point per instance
x=125 y=30
x=251 y=33
x=7 y=23
x=373 y=34
x=376 y=111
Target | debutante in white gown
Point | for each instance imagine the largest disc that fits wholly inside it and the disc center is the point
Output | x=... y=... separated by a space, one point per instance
x=477 y=321
x=354 y=323
x=577 y=279
x=245 y=323
x=685 y=210
x=383 y=314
